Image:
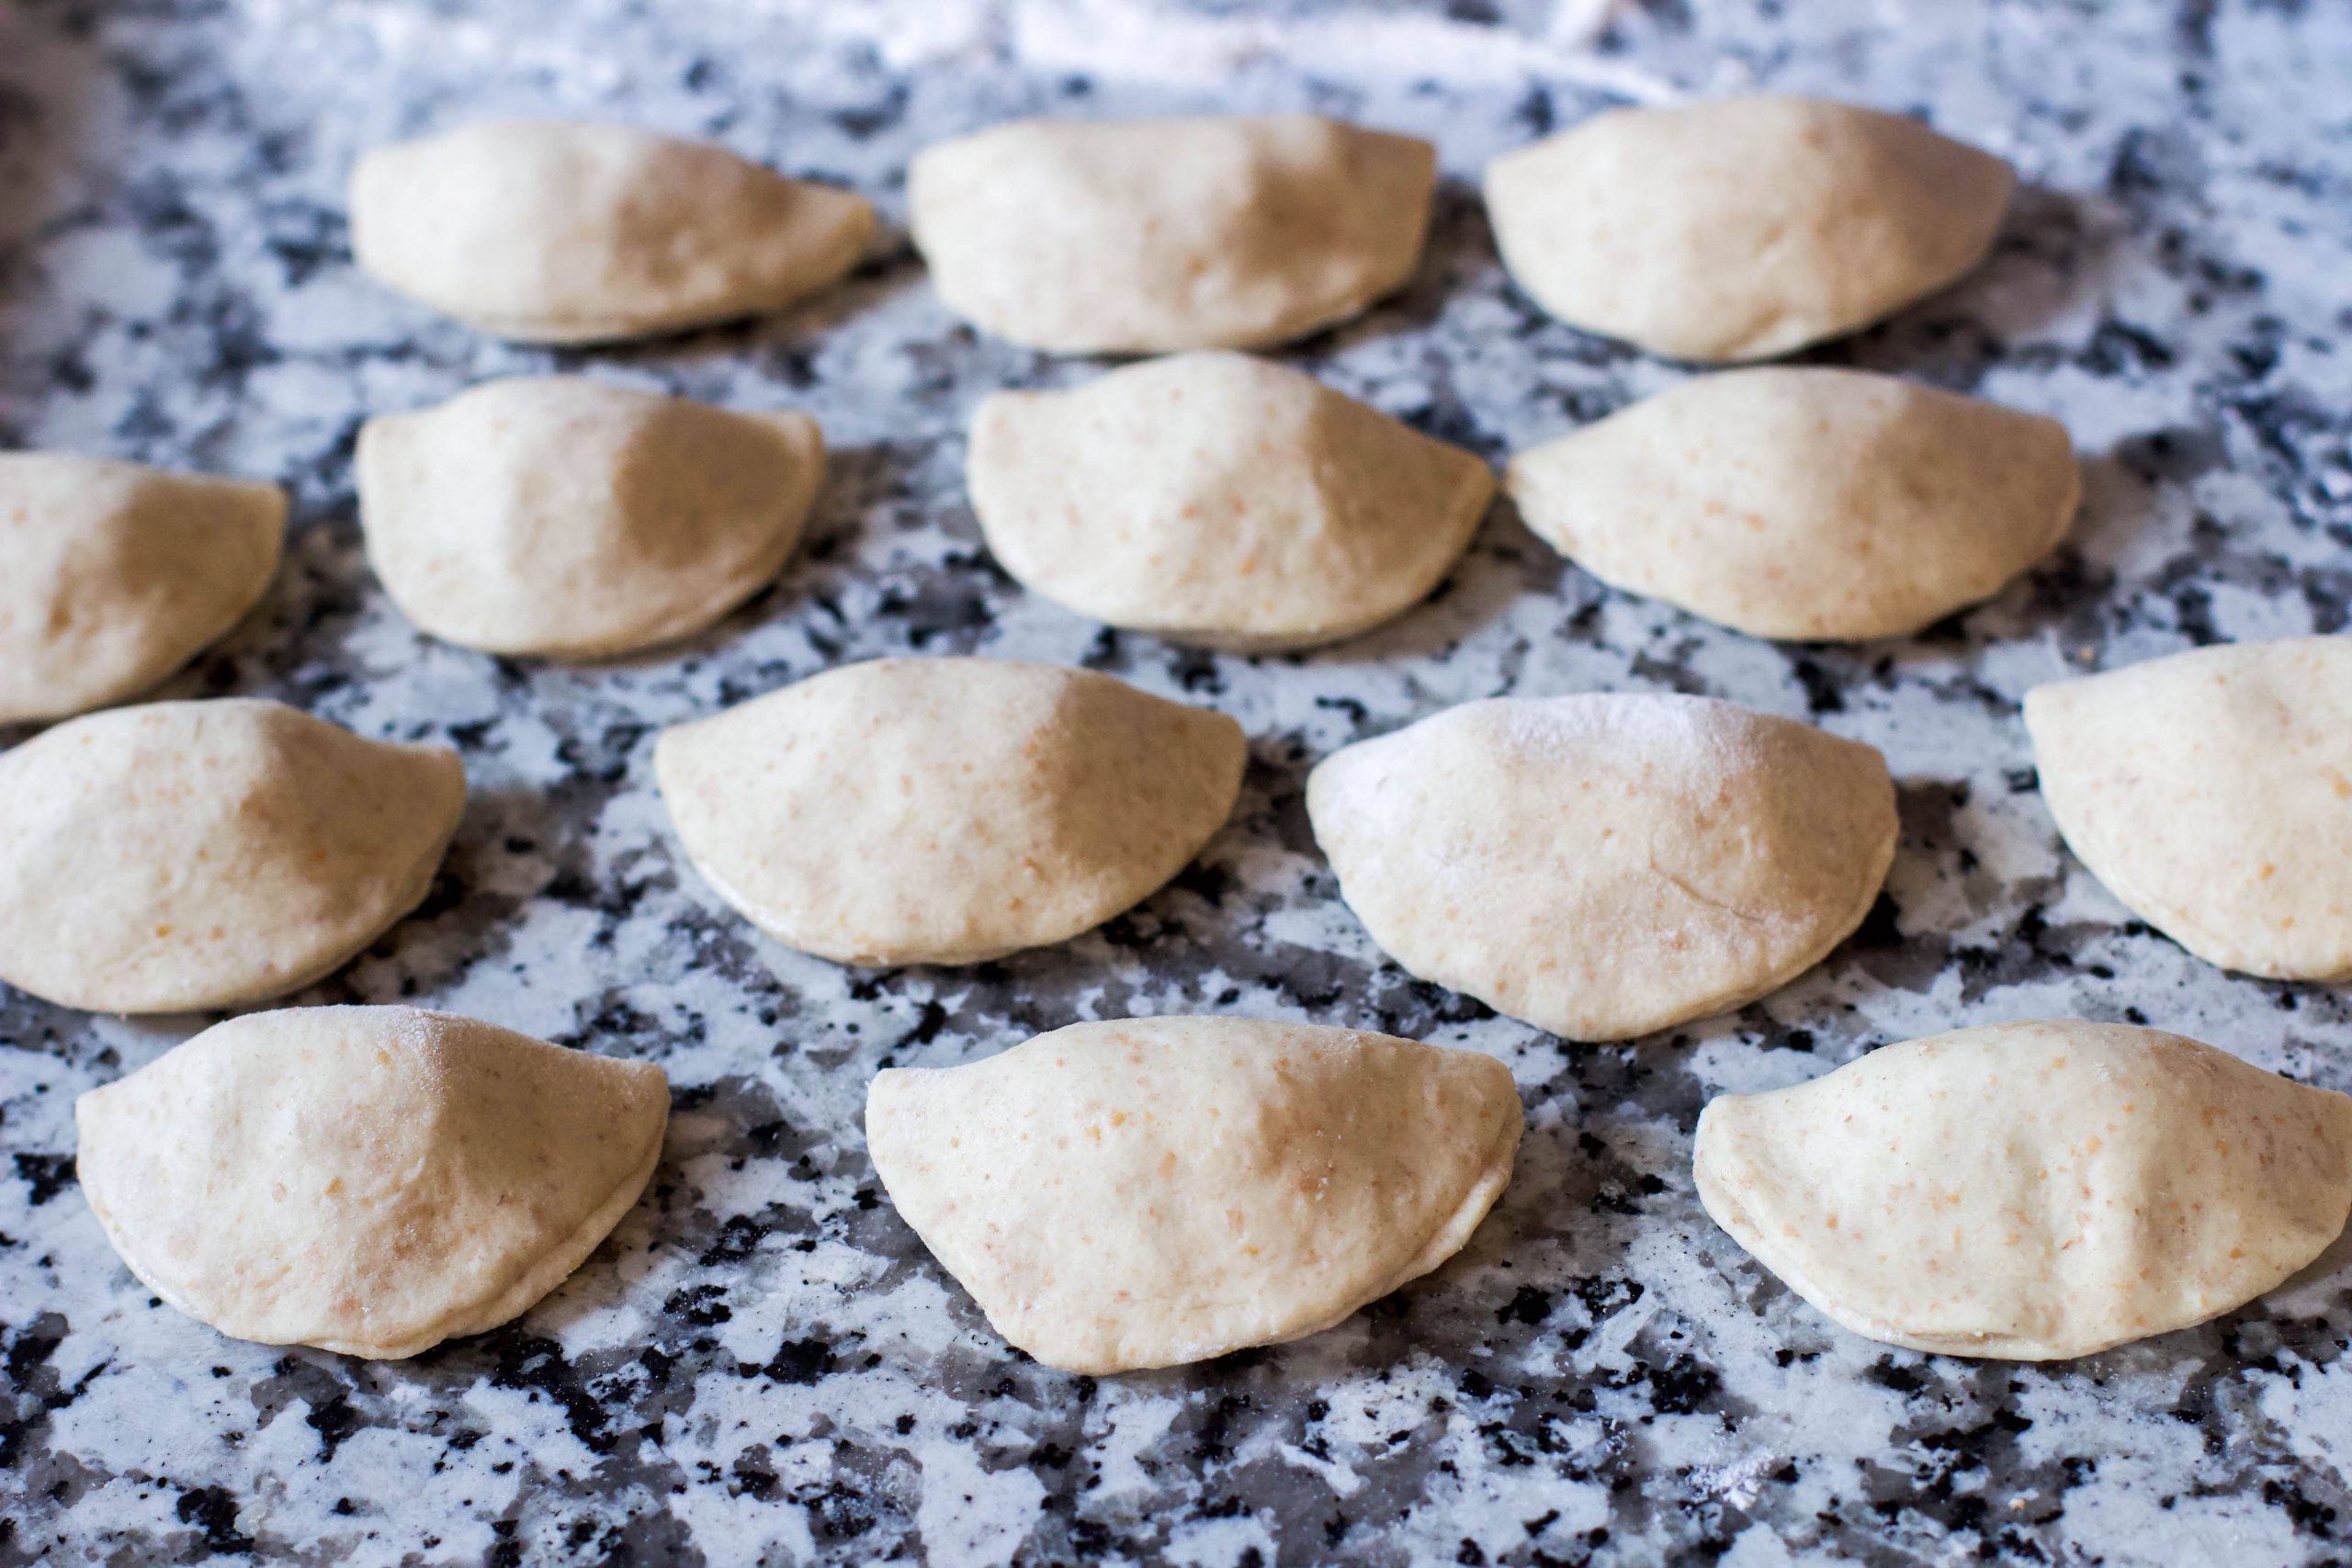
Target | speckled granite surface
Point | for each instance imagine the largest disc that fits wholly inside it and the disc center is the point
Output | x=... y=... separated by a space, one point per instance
x=761 y=1363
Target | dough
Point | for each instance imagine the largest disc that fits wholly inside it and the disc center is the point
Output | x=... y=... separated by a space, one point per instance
x=2032 y=1191
x=1216 y=499
x=2211 y=792
x=1606 y=865
x=1806 y=504
x=558 y=515
x=1140 y=236
x=367 y=1179
x=115 y=575
x=945 y=810
x=180 y=856
x=1744 y=229
x=554 y=231
x=1150 y=1192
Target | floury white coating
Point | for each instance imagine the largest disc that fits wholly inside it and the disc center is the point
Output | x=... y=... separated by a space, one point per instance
x=1605 y=865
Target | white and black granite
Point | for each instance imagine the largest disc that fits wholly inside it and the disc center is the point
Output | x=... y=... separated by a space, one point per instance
x=762 y=1363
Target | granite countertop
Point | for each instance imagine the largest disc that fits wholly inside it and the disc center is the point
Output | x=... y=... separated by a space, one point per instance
x=763 y=1362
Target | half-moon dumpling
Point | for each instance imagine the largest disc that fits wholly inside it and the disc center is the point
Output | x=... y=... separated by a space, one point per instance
x=945 y=810
x=115 y=575
x=1217 y=499
x=185 y=855
x=368 y=1179
x=559 y=515
x=1804 y=504
x=1744 y=229
x=2212 y=793
x=1607 y=864
x=1141 y=236
x=558 y=232
x=2031 y=1190
x=1150 y=1192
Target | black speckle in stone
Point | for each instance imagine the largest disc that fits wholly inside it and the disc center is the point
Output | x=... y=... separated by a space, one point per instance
x=2173 y=456
x=334 y=1420
x=1527 y=1305
x=928 y=1025
x=1213 y=1441
x=2119 y=348
x=37 y=1391
x=1603 y=1296
x=867 y=118
x=1104 y=652
x=45 y=1174
x=213 y=1510
x=795 y=1361
x=1681 y=1387
x=69 y=370
x=752 y=1476
x=1821 y=692
x=1198 y=672
x=838 y=1511
x=1882 y=927
x=739 y=1237
x=703 y=1306
x=537 y=1366
x=1356 y=712
x=1448 y=420
x=1902 y=1380
x=2149 y=162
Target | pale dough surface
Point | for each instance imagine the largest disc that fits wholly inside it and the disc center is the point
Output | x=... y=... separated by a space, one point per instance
x=1742 y=229
x=113 y=575
x=177 y=856
x=2211 y=792
x=1218 y=498
x=567 y=517
x=1151 y=1191
x=1146 y=236
x=365 y=1179
x=565 y=231
x=945 y=810
x=2031 y=1190
x=1806 y=504
x=1604 y=866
